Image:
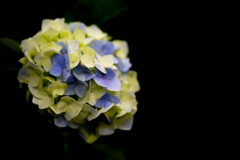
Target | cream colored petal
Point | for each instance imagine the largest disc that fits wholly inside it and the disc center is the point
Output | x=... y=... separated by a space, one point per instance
x=104 y=129
x=46 y=23
x=99 y=66
x=87 y=57
x=107 y=61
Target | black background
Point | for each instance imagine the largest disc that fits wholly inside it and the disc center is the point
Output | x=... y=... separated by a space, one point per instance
x=146 y=27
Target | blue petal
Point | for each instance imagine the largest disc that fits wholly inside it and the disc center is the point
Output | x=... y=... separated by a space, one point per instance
x=97 y=45
x=82 y=83
x=100 y=81
x=107 y=104
x=100 y=103
x=56 y=70
x=99 y=73
x=67 y=65
x=65 y=74
x=80 y=68
x=79 y=90
x=59 y=59
x=79 y=25
x=110 y=73
x=70 y=90
x=124 y=65
x=88 y=75
x=80 y=77
x=60 y=121
x=82 y=135
x=113 y=84
x=64 y=48
x=107 y=48
x=84 y=68
x=116 y=48
x=114 y=99
x=106 y=96
x=71 y=79
x=115 y=60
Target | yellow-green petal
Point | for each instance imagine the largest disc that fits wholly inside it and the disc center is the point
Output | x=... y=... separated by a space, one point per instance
x=70 y=106
x=74 y=59
x=24 y=60
x=88 y=136
x=66 y=35
x=79 y=35
x=57 y=88
x=123 y=51
x=57 y=24
x=95 y=32
x=87 y=57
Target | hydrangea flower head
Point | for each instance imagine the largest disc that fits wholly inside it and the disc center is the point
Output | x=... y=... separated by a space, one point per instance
x=79 y=74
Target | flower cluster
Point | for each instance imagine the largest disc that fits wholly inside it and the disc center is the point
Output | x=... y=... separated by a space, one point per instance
x=81 y=77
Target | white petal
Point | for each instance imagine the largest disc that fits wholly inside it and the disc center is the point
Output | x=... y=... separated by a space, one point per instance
x=105 y=129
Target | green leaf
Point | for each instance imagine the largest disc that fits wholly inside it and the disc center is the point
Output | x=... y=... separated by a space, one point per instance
x=13 y=45
x=10 y=54
x=96 y=11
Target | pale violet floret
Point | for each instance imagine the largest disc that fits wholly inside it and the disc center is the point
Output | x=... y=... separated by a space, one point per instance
x=77 y=25
x=63 y=50
x=109 y=81
x=60 y=67
x=106 y=100
x=83 y=73
x=104 y=57
x=103 y=48
x=61 y=121
x=123 y=64
x=116 y=48
x=75 y=86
